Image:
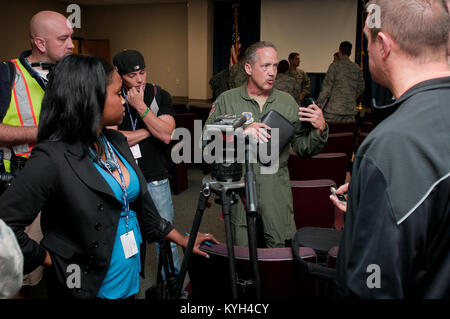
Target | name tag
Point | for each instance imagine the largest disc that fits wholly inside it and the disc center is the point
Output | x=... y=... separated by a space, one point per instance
x=129 y=244
x=136 y=151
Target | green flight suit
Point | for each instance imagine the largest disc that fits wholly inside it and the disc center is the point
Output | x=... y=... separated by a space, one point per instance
x=274 y=191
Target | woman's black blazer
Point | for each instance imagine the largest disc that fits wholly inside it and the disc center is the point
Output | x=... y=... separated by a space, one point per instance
x=79 y=212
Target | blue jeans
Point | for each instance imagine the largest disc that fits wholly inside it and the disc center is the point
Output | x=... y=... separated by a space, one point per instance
x=162 y=198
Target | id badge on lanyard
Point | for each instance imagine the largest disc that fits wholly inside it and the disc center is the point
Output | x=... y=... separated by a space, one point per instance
x=128 y=239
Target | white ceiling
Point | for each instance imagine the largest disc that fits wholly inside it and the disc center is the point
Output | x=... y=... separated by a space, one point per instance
x=116 y=2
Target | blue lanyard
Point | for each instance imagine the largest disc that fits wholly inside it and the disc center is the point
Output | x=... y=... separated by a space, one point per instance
x=133 y=122
x=123 y=185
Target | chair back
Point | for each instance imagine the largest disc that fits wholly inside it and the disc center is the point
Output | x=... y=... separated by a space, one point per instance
x=344 y=142
x=180 y=108
x=201 y=112
x=186 y=120
x=341 y=127
x=332 y=257
x=279 y=277
x=361 y=139
x=367 y=126
x=321 y=166
x=311 y=202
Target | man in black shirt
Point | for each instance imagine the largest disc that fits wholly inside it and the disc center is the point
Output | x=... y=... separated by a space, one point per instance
x=395 y=241
x=148 y=125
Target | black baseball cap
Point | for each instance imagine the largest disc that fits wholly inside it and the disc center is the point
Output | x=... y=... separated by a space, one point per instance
x=128 y=61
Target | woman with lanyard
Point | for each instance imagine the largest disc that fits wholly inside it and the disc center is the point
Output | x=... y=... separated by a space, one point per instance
x=96 y=211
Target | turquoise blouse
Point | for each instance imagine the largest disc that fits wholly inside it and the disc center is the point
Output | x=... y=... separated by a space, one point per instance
x=122 y=278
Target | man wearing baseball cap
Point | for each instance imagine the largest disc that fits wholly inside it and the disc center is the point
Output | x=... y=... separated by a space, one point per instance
x=148 y=125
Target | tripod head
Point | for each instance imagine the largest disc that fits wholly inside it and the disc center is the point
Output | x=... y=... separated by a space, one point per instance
x=220 y=151
x=226 y=177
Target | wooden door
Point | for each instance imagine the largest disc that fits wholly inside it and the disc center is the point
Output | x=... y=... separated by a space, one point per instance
x=99 y=47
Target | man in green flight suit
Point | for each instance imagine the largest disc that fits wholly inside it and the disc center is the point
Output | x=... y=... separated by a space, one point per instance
x=255 y=98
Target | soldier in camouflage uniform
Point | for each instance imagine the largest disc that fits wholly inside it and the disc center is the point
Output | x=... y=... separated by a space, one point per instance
x=237 y=73
x=286 y=83
x=299 y=75
x=219 y=82
x=342 y=85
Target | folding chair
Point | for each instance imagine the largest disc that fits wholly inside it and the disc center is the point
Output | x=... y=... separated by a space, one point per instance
x=201 y=112
x=322 y=166
x=180 y=108
x=280 y=279
x=340 y=143
x=341 y=127
x=312 y=205
x=361 y=139
x=367 y=126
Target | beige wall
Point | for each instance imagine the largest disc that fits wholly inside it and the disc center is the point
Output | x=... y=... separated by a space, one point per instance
x=177 y=38
x=14 y=24
x=200 y=48
x=312 y=28
x=158 y=31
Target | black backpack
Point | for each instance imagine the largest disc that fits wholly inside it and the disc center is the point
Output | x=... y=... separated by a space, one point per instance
x=7 y=76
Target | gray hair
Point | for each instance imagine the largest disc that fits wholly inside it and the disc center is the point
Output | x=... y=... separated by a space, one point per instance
x=250 y=54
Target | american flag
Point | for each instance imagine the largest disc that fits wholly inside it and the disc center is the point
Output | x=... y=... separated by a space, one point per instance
x=235 y=39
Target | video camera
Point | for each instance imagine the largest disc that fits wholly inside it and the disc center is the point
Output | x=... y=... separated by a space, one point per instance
x=17 y=163
x=225 y=167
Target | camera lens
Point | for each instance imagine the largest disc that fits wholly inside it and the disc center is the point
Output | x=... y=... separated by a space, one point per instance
x=226 y=172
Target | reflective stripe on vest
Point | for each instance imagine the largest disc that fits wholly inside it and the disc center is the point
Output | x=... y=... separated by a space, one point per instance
x=25 y=106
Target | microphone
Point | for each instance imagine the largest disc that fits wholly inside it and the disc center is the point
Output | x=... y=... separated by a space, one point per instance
x=239 y=122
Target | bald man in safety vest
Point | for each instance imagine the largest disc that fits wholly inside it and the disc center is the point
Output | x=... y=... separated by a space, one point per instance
x=51 y=40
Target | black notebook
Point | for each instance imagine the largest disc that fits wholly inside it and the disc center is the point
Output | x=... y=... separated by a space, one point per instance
x=285 y=128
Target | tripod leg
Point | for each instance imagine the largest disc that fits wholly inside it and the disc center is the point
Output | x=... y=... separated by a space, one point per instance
x=202 y=201
x=252 y=214
x=253 y=253
x=226 y=204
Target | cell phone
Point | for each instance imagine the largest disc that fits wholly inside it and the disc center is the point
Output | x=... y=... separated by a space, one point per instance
x=339 y=196
x=307 y=101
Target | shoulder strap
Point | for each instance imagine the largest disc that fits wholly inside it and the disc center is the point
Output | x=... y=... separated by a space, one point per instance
x=154 y=104
x=12 y=73
x=8 y=75
x=157 y=96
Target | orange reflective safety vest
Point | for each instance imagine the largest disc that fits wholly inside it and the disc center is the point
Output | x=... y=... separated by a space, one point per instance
x=24 y=108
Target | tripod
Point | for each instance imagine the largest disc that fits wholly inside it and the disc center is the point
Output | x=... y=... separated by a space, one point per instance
x=225 y=191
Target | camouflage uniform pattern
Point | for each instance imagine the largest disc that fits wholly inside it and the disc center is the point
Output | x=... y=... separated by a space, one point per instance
x=302 y=79
x=343 y=83
x=238 y=76
x=284 y=82
x=219 y=82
